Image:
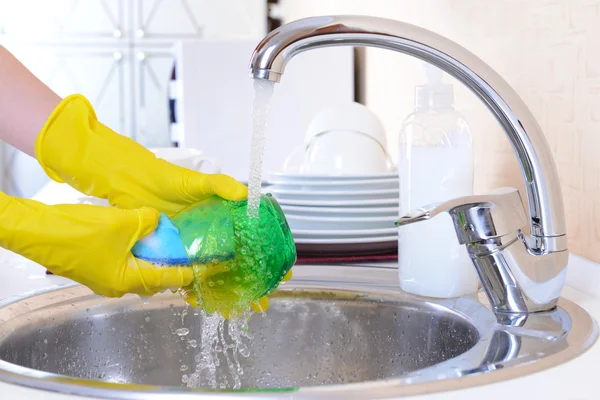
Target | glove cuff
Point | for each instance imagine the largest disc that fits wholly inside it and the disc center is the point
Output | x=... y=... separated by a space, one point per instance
x=50 y=122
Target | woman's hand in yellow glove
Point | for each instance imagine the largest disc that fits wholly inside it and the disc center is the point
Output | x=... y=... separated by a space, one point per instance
x=75 y=148
x=88 y=244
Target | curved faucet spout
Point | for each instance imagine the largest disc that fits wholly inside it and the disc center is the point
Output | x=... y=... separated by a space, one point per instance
x=546 y=212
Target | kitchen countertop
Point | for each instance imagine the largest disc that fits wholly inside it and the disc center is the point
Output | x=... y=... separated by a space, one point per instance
x=576 y=379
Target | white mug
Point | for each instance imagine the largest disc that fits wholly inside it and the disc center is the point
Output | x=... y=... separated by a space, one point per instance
x=188 y=158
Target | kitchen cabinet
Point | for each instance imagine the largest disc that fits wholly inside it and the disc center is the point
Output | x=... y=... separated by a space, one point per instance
x=152 y=71
x=192 y=19
x=66 y=19
x=99 y=73
x=118 y=53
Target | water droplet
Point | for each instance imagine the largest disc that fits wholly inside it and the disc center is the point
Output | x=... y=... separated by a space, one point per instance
x=182 y=331
x=245 y=353
x=183 y=368
x=147 y=319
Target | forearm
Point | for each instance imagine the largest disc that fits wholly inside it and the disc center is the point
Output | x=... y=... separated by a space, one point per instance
x=25 y=103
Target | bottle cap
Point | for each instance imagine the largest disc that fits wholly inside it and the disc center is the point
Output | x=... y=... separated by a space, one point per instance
x=433 y=93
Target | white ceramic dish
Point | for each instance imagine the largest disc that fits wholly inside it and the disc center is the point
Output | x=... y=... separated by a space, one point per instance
x=374 y=184
x=328 y=223
x=339 y=234
x=335 y=195
x=346 y=212
x=336 y=153
x=338 y=203
x=350 y=116
x=354 y=241
x=312 y=177
x=338 y=133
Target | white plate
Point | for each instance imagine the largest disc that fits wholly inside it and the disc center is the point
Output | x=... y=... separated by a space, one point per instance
x=375 y=184
x=336 y=234
x=346 y=212
x=305 y=177
x=378 y=239
x=332 y=223
x=335 y=195
x=338 y=203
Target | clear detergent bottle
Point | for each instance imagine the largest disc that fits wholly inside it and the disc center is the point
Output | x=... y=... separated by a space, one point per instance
x=435 y=163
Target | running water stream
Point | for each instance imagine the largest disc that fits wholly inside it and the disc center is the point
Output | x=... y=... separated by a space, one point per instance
x=223 y=340
x=263 y=90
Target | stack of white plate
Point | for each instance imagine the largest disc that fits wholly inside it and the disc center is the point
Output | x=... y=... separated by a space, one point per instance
x=339 y=215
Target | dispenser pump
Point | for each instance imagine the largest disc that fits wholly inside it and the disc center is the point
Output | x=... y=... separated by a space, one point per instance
x=433 y=93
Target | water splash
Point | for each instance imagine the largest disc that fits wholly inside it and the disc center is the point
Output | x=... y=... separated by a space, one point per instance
x=220 y=340
x=263 y=90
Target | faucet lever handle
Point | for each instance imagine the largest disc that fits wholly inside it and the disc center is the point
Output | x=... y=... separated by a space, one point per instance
x=477 y=218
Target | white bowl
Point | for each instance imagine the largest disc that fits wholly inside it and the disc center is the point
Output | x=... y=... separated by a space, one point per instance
x=293 y=162
x=346 y=117
x=338 y=153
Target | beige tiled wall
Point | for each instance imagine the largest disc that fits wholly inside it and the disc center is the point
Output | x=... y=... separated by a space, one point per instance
x=549 y=51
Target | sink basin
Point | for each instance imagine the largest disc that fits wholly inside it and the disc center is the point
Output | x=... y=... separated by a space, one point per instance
x=320 y=337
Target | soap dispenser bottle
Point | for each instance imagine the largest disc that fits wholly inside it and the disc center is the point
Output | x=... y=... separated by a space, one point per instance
x=435 y=163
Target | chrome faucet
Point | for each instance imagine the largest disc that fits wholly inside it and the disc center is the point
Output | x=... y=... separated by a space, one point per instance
x=520 y=273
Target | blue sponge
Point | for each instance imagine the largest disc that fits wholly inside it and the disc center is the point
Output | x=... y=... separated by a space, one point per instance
x=163 y=246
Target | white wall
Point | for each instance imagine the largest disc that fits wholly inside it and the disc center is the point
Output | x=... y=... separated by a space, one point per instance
x=547 y=50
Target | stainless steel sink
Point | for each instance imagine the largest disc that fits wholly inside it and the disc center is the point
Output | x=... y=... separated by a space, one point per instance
x=321 y=337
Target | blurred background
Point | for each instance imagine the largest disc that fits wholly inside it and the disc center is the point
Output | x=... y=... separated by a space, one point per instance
x=174 y=73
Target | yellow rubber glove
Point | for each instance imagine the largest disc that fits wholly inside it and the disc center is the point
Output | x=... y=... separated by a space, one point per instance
x=75 y=148
x=88 y=244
